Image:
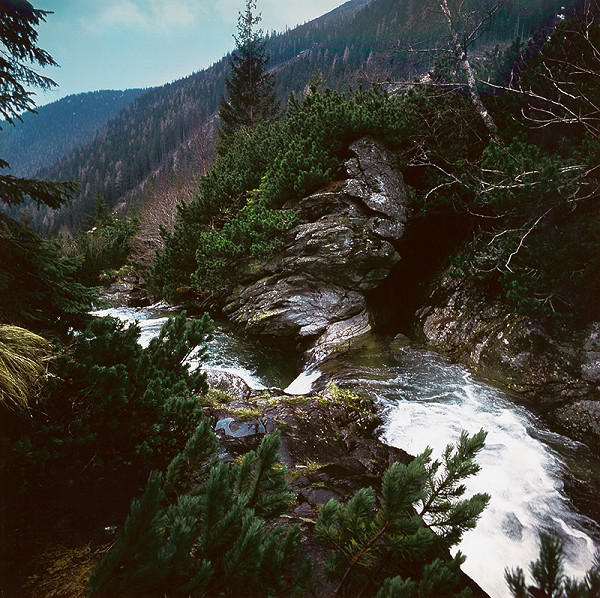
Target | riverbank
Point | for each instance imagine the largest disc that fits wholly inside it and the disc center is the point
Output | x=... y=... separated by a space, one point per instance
x=427 y=400
x=330 y=442
x=330 y=446
x=552 y=365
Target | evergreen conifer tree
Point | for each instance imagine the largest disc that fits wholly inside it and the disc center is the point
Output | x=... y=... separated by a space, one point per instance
x=406 y=531
x=251 y=94
x=37 y=287
x=19 y=52
x=548 y=573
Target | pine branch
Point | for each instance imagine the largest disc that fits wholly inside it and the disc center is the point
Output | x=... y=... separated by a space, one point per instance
x=358 y=555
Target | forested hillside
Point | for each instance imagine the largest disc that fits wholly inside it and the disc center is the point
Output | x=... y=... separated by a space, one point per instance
x=170 y=129
x=517 y=166
x=43 y=138
x=501 y=145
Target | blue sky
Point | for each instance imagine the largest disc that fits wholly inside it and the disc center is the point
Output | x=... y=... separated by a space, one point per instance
x=119 y=44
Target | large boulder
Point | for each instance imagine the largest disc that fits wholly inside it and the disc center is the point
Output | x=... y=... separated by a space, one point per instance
x=314 y=288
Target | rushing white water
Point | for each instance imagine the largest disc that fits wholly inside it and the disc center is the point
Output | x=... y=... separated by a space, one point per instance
x=429 y=402
x=303 y=383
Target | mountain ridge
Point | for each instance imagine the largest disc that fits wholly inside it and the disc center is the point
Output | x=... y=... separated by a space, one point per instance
x=55 y=129
x=165 y=129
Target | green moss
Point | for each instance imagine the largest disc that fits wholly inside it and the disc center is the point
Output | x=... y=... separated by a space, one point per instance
x=356 y=402
x=245 y=414
x=303 y=469
x=214 y=397
x=265 y=314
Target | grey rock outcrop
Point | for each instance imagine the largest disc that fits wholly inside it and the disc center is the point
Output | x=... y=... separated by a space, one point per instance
x=556 y=367
x=341 y=248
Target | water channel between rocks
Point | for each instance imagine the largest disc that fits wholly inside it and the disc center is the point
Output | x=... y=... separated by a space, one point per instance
x=428 y=402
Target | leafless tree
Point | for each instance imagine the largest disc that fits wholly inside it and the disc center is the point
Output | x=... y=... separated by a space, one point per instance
x=158 y=212
x=454 y=15
x=464 y=26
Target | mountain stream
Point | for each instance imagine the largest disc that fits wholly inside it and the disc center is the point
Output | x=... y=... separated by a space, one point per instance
x=428 y=402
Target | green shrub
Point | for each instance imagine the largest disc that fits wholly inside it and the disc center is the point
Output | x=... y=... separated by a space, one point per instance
x=549 y=577
x=112 y=410
x=238 y=210
x=543 y=247
x=203 y=530
x=103 y=248
x=255 y=231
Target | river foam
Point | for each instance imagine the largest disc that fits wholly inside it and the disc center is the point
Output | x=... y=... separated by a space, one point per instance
x=430 y=406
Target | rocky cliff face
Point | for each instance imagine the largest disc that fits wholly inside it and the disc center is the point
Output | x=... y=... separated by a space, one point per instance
x=314 y=290
x=341 y=249
x=556 y=367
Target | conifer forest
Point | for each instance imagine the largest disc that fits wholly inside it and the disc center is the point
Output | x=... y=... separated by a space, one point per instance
x=321 y=319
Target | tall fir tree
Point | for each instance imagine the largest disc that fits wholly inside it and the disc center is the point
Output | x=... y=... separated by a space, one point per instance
x=251 y=96
x=38 y=288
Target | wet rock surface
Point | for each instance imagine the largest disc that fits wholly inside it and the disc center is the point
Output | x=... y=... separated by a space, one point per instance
x=330 y=444
x=581 y=419
x=554 y=367
x=314 y=289
x=128 y=291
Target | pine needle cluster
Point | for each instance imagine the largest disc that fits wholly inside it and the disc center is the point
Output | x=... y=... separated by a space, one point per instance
x=203 y=529
x=396 y=543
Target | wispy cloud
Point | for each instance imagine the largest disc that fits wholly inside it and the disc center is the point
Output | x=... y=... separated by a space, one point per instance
x=169 y=16
x=276 y=14
x=149 y=14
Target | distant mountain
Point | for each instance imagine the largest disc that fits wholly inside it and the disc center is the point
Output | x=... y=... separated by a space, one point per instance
x=169 y=129
x=41 y=139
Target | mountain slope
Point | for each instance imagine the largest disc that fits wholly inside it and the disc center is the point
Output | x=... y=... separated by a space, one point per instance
x=56 y=129
x=168 y=128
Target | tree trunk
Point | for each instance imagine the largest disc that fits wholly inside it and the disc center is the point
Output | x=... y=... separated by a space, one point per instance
x=461 y=53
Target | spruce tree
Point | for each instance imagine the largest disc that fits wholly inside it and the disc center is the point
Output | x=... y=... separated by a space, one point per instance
x=251 y=94
x=39 y=289
x=37 y=286
x=20 y=52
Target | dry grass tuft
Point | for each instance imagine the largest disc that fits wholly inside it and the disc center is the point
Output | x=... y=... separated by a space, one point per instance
x=23 y=359
x=64 y=571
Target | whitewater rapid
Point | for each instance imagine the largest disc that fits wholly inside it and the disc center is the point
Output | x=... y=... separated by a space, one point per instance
x=428 y=402
x=432 y=402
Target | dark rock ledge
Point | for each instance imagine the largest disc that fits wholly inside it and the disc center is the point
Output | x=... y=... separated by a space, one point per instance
x=329 y=442
x=314 y=289
x=553 y=367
